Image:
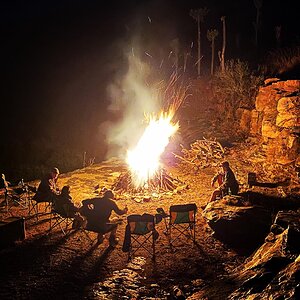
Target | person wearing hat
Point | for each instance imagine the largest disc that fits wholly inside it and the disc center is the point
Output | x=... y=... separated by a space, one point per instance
x=48 y=189
x=227 y=182
x=98 y=211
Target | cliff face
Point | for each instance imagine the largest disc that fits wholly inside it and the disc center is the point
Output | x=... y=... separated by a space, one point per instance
x=276 y=120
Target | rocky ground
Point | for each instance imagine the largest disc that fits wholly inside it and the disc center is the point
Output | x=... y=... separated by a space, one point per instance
x=45 y=266
x=71 y=267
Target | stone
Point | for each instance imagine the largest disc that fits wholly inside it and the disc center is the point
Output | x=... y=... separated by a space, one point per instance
x=240 y=227
x=272 y=272
x=270 y=81
x=244 y=116
x=269 y=129
x=255 y=122
x=288 y=120
x=287 y=104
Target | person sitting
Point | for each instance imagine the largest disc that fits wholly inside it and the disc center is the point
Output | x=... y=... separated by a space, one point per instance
x=64 y=203
x=48 y=189
x=98 y=211
x=228 y=184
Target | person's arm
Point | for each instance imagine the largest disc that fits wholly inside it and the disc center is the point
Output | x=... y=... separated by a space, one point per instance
x=87 y=202
x=224 y=185
x=119 y=211
x=214 y=179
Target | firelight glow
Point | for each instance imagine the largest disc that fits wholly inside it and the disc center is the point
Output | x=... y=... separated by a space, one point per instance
x=144 y=159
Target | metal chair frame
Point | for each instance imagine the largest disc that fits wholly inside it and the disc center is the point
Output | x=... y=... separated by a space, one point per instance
x=141 y=240
x=61 y=219
x=182 y=227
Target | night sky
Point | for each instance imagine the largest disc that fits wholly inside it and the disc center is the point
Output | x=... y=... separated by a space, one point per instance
x=59 y=56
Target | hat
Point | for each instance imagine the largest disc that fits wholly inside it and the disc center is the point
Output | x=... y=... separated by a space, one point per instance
x=55 y=170
x=109 y=194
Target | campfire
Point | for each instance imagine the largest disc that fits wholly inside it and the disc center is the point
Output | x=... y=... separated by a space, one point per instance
x=159 y=182
x=145 y=173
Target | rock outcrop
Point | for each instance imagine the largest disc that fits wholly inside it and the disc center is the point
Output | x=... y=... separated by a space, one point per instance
x=273 y=271
x=237 y=223
x=276 y=120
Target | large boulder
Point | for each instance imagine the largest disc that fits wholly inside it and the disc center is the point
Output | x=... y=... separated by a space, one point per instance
x=273 y=271
x=237 y=223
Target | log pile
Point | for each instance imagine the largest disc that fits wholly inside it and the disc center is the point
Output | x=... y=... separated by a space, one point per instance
x=159 y=183
x=202 y=154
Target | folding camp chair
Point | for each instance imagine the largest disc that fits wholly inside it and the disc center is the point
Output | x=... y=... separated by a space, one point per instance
x=61 y=216
x=14 y=196
x=140 y=234
x=34 y=207
x=182 y=223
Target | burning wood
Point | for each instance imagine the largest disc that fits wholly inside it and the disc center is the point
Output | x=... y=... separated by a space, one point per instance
x=160 y=182
x=202 y=153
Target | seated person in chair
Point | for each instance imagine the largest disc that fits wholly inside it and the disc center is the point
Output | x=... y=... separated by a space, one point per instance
x=227 y=182
x=64 y=203
x=47 y=189
x=98 y=211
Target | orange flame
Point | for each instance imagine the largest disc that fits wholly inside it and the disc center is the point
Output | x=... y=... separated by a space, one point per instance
x=144 y=159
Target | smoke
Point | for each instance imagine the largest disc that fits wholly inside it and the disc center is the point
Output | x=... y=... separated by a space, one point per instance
x=132 y=97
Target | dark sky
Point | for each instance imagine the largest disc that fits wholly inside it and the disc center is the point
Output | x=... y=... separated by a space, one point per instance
x=58 y=56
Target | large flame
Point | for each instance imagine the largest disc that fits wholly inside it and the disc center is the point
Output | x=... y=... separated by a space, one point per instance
x=144 y=159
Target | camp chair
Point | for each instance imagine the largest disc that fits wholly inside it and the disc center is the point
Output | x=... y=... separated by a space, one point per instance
x=140 y=234
x=14 y=196
x=182 y=222
x=85 y=227
x=34 y=207
x=61 y=216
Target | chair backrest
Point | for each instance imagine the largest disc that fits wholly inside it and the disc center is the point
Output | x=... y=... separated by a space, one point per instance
x=183 y=213
x=141 y=224
x=61 y=208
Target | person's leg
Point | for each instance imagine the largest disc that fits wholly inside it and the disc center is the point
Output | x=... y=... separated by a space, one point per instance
x=113 y=231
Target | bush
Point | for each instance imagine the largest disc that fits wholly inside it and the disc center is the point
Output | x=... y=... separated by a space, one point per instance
x=236 y=87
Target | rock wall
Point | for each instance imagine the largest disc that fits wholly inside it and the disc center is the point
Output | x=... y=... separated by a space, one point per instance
x=276 y=120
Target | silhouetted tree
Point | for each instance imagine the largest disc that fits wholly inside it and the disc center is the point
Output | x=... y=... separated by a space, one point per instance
x=198 y=15
x=211 y=36
x=222 y=57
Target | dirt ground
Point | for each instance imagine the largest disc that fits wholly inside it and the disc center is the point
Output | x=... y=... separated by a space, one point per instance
x=48 y=266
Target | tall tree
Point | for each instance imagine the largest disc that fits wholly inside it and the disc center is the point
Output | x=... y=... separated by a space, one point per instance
x=211 y=36
x=222 y=59
x=198 y=15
